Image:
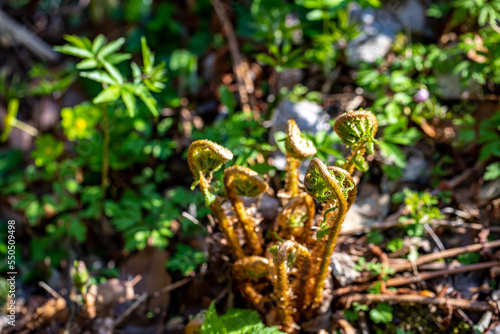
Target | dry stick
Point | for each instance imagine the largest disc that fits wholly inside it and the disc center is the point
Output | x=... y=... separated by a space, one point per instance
x=398 y=281
x=49 y=289
x=145 y=296
x=417 y=299
x=22 y=35
x=452 y=252
x=439 y=222
x=245 y=84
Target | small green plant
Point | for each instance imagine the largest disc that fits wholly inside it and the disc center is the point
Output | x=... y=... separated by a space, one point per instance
x=294 y=244
x=235 y=321
x=378 y=269
x=186 y=260
x=381 y=313
x=422 y=208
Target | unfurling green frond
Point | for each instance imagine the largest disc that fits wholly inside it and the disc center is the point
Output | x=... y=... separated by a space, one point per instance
x=298 y=146
x=206 y=157
x=357 y=128
x=329 y=184
x=244 y=181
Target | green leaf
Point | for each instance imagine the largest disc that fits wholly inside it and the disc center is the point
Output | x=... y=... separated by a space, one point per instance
x=118 y=58
x=227 y=98
x=235 y=321
x=99 y=76
x=111 y=47
x=79 y=42
x=109 y=94
x=393 y=152
x=130 y=101
x=489 y=150
x=10 y=119
x=87 y=64
x=98 y=43
x=382 y=313
x=492 y=171
x=315 y=15
x=147 y=55
x=74 y=51
x=142 y=92
x=113 y=71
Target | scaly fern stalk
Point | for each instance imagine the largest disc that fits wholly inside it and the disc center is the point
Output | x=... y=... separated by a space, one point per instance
x=324 y=187
x=357 y=129
x=242 y=181
x=298 y=149
x=247 y=271
x=205 y=157
x=288 y=253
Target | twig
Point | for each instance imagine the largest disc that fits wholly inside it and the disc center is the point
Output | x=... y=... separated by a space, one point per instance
x=452 y=252
x=434 y=237
x=245 y=84
x=20 y=34
x=344 y=325
x=52 y=292
x=417 y=299
x=194 y=220
x=145 y=296
x=440 y=222
x=398 y=281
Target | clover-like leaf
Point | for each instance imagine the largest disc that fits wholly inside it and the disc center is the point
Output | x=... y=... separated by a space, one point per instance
x=205 y=157
x=297 y=144
x=356 y=128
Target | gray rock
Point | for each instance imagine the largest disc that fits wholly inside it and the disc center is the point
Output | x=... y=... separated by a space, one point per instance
x=343 y=269
x=489 y=192
x=417 y=168
x=452 y=88
x=378 y=30
x=309 y=116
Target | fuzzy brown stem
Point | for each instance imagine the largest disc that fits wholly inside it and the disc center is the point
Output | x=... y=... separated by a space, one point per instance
x=324 y=267
x=226 y=228
x=281 y=287
x=248 y=224
x=292 y=175
x=349 y=165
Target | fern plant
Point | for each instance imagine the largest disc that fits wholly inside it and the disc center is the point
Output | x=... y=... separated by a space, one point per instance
x=292 y=259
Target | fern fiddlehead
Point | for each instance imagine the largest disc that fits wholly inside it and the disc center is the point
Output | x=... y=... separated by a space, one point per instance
x=334 y=187
x=242 y=181
x=204 y=158
x=298 y=148
x=357 y=129
x=289 y=253
x=296 y=218
x=246 y=272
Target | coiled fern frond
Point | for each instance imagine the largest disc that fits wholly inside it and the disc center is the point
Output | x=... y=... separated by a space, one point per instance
x=357 y=129
x=242 y=181
x=206 y=157
x=297 y=144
